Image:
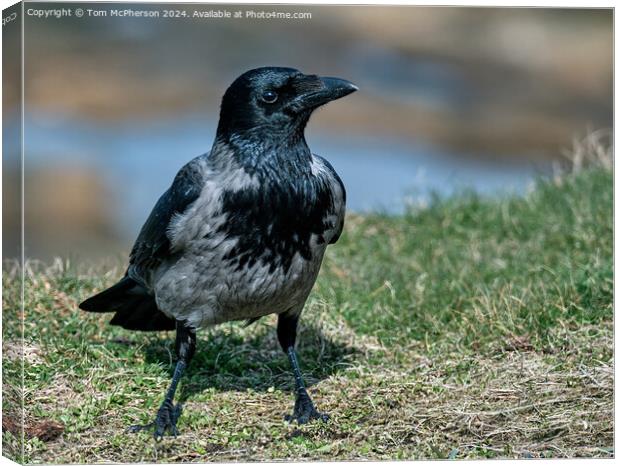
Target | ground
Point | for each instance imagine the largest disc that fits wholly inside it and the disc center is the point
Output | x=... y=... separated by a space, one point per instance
x=469 y=328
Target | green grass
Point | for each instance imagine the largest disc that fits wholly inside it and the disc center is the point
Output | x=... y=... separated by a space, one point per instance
x=472 y=328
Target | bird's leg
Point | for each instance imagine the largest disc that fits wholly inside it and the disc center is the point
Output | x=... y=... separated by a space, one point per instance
x=168 y=414
x=304 y=410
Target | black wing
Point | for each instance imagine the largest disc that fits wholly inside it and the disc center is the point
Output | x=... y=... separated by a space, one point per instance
x=153 y=243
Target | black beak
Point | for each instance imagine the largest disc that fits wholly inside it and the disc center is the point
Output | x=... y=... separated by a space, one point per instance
x=336 y=88
x=316 y=91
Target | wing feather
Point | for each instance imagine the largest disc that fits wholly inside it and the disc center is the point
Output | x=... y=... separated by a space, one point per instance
x=339 y=196
x=153 y=243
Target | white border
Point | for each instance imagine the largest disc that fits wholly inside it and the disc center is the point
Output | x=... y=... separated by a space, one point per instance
x=530 y=3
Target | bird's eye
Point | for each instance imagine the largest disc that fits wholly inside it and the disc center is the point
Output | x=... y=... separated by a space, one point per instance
x=270 y=96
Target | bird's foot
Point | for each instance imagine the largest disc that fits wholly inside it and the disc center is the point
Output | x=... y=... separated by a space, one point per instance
x=305 y=410
x=166 y=420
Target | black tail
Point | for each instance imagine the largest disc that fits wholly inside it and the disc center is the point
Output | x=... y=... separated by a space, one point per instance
x=135 y=309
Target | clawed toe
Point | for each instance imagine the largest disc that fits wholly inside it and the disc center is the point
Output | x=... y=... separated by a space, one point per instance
x=139 y=428
x=305 y=411
x=306 y=417
x=166 y=421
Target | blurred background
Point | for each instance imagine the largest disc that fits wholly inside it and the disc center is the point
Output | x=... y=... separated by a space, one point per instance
x=450 y=98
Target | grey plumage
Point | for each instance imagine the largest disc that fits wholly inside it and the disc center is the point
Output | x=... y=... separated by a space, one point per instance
x=197 y=282
x=242 y=230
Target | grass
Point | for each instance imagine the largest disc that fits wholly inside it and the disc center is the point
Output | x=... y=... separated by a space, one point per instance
x=472 y=328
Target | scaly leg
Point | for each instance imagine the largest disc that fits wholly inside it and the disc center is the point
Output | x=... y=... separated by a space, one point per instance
x=304 y=410
x=168 y=414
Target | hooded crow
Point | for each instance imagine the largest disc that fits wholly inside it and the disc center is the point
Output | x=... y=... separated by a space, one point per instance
x=241 y=232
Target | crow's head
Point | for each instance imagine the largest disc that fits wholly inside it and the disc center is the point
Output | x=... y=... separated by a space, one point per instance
x=275 y=101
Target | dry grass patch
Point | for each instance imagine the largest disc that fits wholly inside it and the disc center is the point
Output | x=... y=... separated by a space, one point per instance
x=517 y=403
